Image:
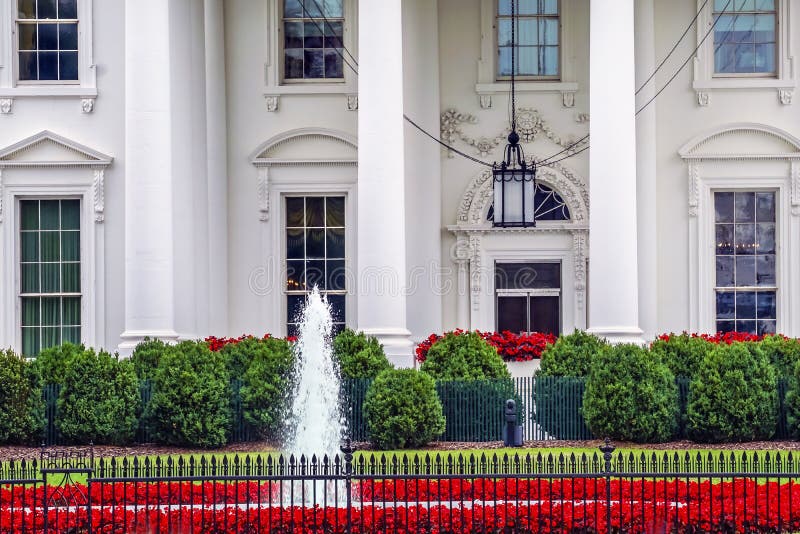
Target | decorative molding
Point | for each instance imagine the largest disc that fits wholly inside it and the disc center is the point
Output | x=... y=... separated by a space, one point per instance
x=530 y=126
x=694 y=188
x=263 y=194
x=99 y=194
x=703 y=98
x=1 y=195
x=352 y=102
x=580 y=246
x=5 y=105
x=568 y=99
x=83 y=156
x=693 y=148
x=785 y=96
x=475 y=270
x=272 y=102
x=795 y=187
x=485 y=101
x=581 y=118
x=87 y=105
x=479 y=195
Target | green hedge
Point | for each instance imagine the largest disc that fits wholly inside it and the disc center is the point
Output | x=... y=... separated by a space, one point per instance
x=359 y=355
x=22 y=413
x=464 y=356
x=265 y=384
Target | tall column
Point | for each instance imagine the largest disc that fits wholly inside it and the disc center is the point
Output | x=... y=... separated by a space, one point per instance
x=646 y=154
x=381 y=281
x=149 y=289
x=613 y=259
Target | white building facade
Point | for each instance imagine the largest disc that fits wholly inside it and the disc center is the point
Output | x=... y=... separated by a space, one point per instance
x=184 y=168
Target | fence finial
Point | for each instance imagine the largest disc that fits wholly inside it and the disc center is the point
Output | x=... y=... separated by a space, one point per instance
x=607 y=449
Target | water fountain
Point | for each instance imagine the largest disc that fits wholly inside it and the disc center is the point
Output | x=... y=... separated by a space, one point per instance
x=315 y=424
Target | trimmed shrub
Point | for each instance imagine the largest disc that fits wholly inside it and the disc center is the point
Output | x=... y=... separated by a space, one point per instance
x=683 y=353
x=783 y=352
x=631 y=395
x=51 y=364
x=99 y=400
x=464 y=357
x=146 y=356
x=22 y=413
x=191 y=397
x=733 y=396
x=571 y=355
x=265 y=383
x=359 y=356
x=402 y=410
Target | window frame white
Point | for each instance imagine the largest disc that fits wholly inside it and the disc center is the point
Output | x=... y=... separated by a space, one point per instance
x=530 y=292
x=11 y=86
x=488 y=83
x=282 y=55
x=274 y=82
x=526 y=78
x=706 y=80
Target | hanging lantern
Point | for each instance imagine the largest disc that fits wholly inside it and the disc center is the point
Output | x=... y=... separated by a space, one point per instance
x=514 y=179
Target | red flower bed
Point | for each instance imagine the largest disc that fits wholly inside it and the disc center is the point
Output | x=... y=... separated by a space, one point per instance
x=512 y=347
x=721 y=337
x=216 y=343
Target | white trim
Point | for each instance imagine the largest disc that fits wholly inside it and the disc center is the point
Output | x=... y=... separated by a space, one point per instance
x=705 y=79
x=488 y=86
x=85 y=156
x=86 y=87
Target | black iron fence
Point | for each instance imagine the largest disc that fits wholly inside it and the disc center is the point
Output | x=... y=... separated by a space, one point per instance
x=445 y=493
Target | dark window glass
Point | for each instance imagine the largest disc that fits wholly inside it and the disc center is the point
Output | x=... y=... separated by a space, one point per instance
x=512 y=314
x=313 y=31
x=528 y=275
x=545 y=314
x=537 y=38
x=745 y=37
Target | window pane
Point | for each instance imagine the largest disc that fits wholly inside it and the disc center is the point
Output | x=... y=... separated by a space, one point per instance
x=765 y=305
x=27 y=37
x=294 y=308
x=765 y=238
x=315 y=211
x=745 y=271
x=338 y=304
x=504 y=61
x=545 y=315
x=548 y=31
x=312 y=35
x=550 y=65
x=315 y=243
x=27 y=9
x=295 y=275
x=527 y=7
x=333 y=64
x=744 y=207
x=550 y=7
x=723 y=207
x=50 y=214
x=745 y=238
x=293 y=64
x=746 y=326
x=766 y=328
x=333 y=34
x=725 y=58
x=726 y=305
x=70 y=246
x=764 y=29
x=72 y=311
x=334 y=238
x=765 y=270
x=335 y=211
x=295 y=243
x=70 y=277
x=726 y=326
x=70 y=214
x=528 y=61
x=51 y=277
x=71 y=334
x=47 y=9
x=48 y=36
x=29 y=274
x=293 y=35
x=51 y=244
x=51 y=311
x=292 y=9
x=51 y=337
x=28 y=66
x=30 y=311
x=68 y=66
x=313 y=64
x=331 y=8
x=68 y=9
x=315 y=274
x=745 y=305
x=30 y=246
x=528 y=276
x=294 y=212
x=527 y=32
x=30 y=341
x=743 y=28
x=512 y=314
x=725 y=273
x=724 y=239
x=765 y=207
x=764 y=58
x=29 y=214
x=336 y=275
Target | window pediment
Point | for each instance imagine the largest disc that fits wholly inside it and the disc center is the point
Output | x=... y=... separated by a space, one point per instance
x=307 y=147
x=46 y=149
x=742 y=141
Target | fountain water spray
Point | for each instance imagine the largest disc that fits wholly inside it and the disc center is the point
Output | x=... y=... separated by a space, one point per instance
x=315 y=423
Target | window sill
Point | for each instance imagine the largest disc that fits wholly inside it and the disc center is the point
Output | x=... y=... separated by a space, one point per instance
x=567 y=90
x=784 y=87
x=48 y=90
x=273 y=93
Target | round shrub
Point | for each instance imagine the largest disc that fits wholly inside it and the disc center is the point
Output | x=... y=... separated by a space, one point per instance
x=359 y=356
x=191 y=397
x=99 y=400
x=783 y=352
x=265 y=384
x=464 y=357
x=146 y=356
x=402 y=410
x=22 y=408
x=733 y=396
x=683 y=353
x=631 y=395
x=51 y=364
x=571 y=355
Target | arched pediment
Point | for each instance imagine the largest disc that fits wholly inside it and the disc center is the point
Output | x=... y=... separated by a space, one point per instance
x=46 y=149
x=479 y=195
x=742 y=141
x=307 y=146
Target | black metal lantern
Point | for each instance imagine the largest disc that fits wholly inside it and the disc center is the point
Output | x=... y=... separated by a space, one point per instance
x=514 y=178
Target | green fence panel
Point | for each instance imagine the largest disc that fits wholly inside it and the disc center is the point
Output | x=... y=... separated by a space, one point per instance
x=782 y=431
x=145 y=394
x=353 y=393
x=50 y=394
x=558 y=412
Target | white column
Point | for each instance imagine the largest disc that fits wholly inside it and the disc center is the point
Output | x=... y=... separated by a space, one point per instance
x=149 y=305
x=646 y=154
x=381 y=170
x=613 y=260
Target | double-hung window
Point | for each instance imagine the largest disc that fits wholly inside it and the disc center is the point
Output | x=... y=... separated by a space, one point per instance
x=49 y=273
x=746 y=281
x=537 y=38
x=315 y=255
x=745 y=37
x=47 y=41
x=528 y=297
x=313 y=40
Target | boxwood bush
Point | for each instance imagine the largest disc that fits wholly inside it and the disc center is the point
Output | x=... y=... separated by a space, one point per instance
x=146 y=356
x=682 y=353
x=464 y=356
x=21 y=404
x=359 y=355
x=783 y=352
x=402 y=410
x=631 y=395
x=265 y=383
x=51 y=364
x=191 y=397
x=733 y=396
x=571 y=355
x=99 y=399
